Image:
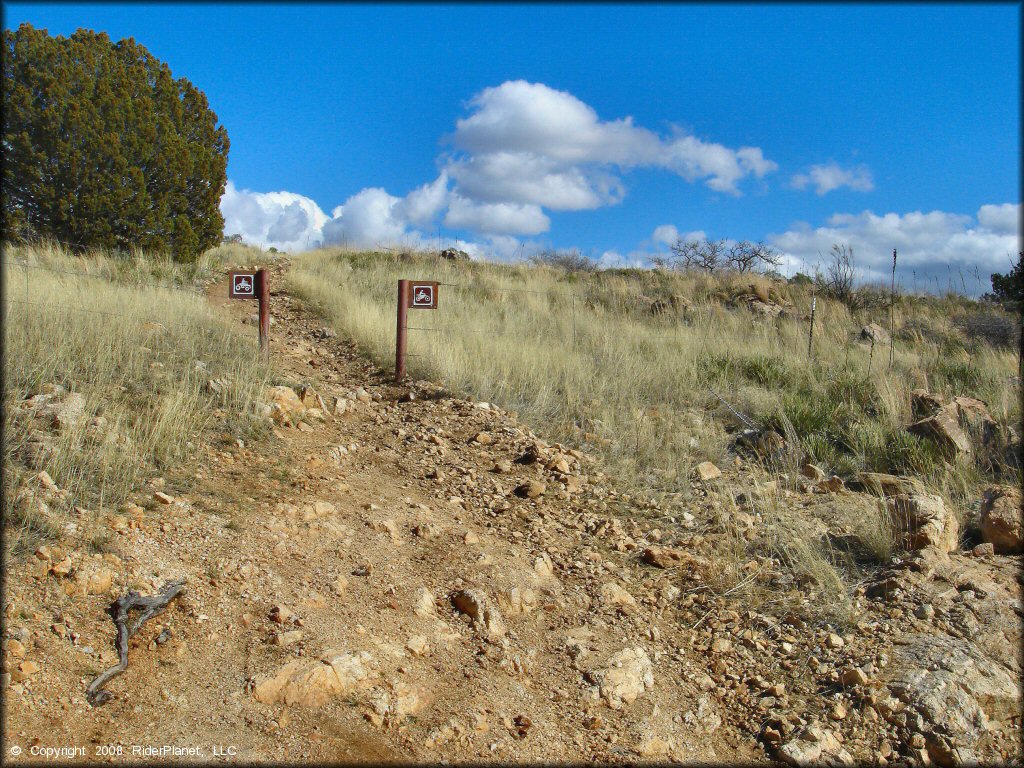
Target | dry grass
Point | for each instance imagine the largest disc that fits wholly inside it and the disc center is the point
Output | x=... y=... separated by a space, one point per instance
x=623 y=362
x=131 y=350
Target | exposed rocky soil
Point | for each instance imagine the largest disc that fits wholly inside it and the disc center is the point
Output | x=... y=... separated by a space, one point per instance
x=398 y=574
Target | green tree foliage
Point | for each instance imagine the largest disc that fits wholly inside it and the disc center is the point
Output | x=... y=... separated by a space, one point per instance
x=103 y=147
x=1009 y=288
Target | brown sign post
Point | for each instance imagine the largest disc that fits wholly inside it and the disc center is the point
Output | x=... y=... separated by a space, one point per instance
x=253 y=285
x=412 y=294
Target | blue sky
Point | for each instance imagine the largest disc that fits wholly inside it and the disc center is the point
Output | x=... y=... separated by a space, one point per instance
x=610 y=129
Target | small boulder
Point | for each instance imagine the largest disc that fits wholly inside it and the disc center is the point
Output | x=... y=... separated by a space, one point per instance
x=944 y=428
x=706 y=471
x=1001 y=520
x=476 y=605
x=531 y=489
x=625 y=677
x=876 y=333
x=924 y=521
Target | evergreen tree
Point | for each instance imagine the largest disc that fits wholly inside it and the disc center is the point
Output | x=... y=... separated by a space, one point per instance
x=1009 y=288
x=103 y=147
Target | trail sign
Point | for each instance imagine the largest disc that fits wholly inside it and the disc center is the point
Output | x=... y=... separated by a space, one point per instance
x=243 y=285
x=423 y=294
x=253 y=285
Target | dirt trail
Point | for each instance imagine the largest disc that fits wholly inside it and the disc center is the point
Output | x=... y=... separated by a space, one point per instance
x=347 y=541
x=318 y=624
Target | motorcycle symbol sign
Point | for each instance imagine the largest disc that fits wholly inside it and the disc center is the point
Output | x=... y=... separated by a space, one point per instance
x=243 y=285
x=424 y=295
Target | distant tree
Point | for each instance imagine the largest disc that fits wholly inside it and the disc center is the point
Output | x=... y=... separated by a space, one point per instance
x=570 y=261
x=838 y=281
x=707 y=255
x=1008 y=289
x=800 y=279
x=235 y=239
x=746 y=256
x=103 y=147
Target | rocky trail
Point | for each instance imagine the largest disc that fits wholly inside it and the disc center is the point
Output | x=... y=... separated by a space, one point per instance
x=396 y=574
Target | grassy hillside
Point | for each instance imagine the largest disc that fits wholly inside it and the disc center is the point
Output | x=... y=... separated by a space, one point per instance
x=630 y=362
x=117 y=353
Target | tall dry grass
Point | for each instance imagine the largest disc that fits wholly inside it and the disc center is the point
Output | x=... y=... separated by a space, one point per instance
x=586 y=358
x=130 y=337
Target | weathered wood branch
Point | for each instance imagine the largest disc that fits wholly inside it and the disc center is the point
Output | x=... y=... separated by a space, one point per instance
x=150 y=607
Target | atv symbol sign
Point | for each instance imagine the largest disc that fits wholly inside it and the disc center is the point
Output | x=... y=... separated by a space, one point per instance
x=243 y=285
x=423 y=295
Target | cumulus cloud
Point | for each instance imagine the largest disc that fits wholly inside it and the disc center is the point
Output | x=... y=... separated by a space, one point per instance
x=531 y=144
x=830 y=176
x=496 y=218
x=285 y=220
x=926 y=243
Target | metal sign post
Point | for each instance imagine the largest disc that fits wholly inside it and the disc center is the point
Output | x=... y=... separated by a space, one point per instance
x=412 y=294
x=254 y=285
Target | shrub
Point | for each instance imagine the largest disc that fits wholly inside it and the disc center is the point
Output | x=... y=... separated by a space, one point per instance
x=994 y=328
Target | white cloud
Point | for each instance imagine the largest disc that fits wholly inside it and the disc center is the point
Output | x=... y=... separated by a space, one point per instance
x=284 y=220
x=1004 y=219
x=925 y=242
x=830 y=176
x=496 y=218
x=527 y=144
x=666 y=234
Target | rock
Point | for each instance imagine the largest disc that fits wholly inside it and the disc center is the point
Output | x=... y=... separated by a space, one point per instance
x=944 y=428
x=954 y=686
x=312 y=684
x=853 y=676
x=669 y=557
x=813 y=472
x=28 y=667
x=418 y=646
x=814 y=746
x=388 y=708
x=15 y=648
x=889 y=485
x=706 y=471
x=502 y=467
x=615 y=596
x=478 y=607
x=483 y=438
x=834 y=641
x=517 y=601
x=163 y=498
x=924 y=404
x=424 y=603
x=340 y=585
x=284 y=639
x=625 y=677
x=63 y=567
x=833 y=485
x=454 y=254
x=280 y=614
x=876 y=333
x=924 y=521
x=531 y=489
x=1001 y=520
x=324 y=508
x=285 y=405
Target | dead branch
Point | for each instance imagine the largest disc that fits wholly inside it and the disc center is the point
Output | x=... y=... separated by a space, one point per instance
x=150 y=607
